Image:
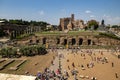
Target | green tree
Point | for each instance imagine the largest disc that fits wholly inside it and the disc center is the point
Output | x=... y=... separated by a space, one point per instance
x=3 y=52
x=8 y=52
x=93 y=24
x=33 y=50
x=115 y=26
x=19 y=22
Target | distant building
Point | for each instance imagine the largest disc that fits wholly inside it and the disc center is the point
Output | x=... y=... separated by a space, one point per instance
x=9 y=29
x=102 y=26
x=70 y=23
x=48 y=26
x=115 y=29
x=1 y=22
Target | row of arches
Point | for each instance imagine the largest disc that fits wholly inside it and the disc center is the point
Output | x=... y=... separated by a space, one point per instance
x=73 y=41
x=79 y=43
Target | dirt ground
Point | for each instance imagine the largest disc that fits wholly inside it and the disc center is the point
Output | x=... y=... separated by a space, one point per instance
x=33 y=65
x=102 y=71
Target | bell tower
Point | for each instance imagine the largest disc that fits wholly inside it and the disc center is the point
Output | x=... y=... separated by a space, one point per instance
x=72 y=17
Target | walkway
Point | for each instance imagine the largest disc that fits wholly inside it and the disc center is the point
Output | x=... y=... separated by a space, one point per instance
x=55 y=65
x=15 y=77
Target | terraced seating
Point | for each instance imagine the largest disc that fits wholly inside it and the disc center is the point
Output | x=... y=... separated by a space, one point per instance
x=7 y=63
x=17 y=66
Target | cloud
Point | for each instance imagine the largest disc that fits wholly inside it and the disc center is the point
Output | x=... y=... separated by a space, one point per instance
x=92 y=16
x=106 y=16
x=88 y=11
x=117 y=18
x=113 y=20
x=41 y=12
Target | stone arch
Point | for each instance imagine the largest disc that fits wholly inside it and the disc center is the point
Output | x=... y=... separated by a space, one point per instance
x=80 y=41
x=89 y=41
x=31 y=41
x=37 y=41
x=73 y=41
x=44 y=40
x=65 y=42
x=93 y=43
x=58 y=40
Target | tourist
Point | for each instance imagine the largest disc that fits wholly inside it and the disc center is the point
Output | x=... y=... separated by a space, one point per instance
x=87 y=65
x=73 y=64
x=45 y=69
x=75 y=77
x=68 y=67
x=67 y=74
x=81 y=54
x=67 y=60
x=112 y=64
x=116 y=75
x=26 y=72
x=52 y=62
x=94 y=58
x=57 y=72
x=93 y=78
x=82 y=66
x=39 y=75
x=46 y=77
x=91 y=64
x=101 y=53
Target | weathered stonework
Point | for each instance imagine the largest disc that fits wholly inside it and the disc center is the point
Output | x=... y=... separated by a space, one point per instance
x=64 y=40
x=70 y=24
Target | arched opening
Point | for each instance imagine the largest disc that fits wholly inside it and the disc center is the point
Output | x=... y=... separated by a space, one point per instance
x=31 y=41
x=44 y=40
x=80 y=41
x=73 y=41
x=58 y=41
x=93 y=43
x=89 y=42
x=65 y=41
x=37 y=41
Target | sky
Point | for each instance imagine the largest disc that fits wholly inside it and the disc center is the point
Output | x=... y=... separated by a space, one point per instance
x=52 y=10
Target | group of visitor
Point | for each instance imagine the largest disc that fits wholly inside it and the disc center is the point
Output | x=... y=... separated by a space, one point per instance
x=51 y=75
x=64 y=75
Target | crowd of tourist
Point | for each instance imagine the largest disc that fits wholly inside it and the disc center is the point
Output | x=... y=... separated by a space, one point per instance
x=64 y=74
x=52 y=75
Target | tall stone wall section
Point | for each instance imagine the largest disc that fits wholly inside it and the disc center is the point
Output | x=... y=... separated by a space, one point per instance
x=73 y=40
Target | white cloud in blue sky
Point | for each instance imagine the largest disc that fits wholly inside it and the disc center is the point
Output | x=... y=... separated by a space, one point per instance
x=52 y=10
x=88 y=11
x=111 y=19
x=92 y=16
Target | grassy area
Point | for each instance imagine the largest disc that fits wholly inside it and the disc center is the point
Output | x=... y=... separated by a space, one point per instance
x=57 y=33
x=23 y=36
x=19 y=71
x=109 y=35
x=2 y=63
x=12 y=64
x=42 y=61
x=7 y=68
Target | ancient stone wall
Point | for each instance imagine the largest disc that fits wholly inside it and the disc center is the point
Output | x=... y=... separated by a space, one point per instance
x=73 y=40
x=70 y=23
